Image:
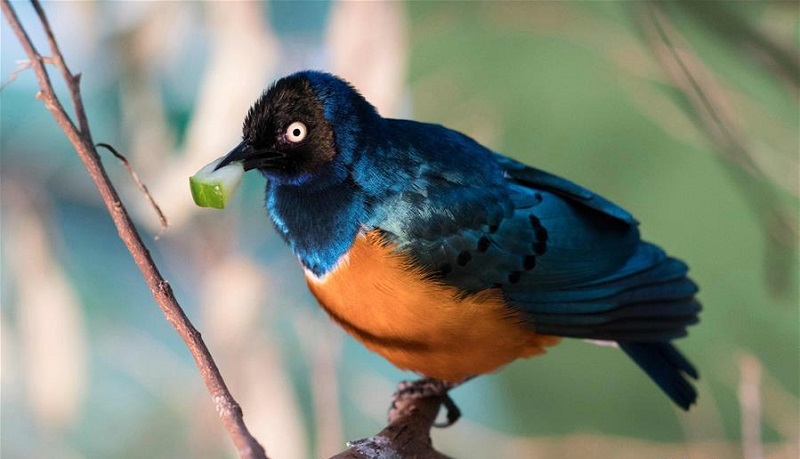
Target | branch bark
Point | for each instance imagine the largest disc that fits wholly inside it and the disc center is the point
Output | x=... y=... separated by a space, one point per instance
x=406 y=436
x=81 y=139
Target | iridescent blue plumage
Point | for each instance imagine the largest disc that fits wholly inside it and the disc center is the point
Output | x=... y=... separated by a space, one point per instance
x=567 y=261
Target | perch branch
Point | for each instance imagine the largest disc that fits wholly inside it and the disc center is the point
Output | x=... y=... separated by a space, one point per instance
x=81 y=139
x=406 y=436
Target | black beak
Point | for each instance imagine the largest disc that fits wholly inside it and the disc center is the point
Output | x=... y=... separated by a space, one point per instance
x=239 y=153
x=249 y=157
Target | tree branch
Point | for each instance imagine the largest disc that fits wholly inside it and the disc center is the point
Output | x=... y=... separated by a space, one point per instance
x=81 y=139
x=406 y=436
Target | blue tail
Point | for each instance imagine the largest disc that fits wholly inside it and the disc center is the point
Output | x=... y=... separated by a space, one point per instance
x=667 y=367
x=645 y=305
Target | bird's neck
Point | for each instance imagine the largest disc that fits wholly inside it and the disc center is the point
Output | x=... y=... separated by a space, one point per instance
x=320 y=224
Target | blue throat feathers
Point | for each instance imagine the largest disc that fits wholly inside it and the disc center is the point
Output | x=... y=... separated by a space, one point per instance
x=319 y=225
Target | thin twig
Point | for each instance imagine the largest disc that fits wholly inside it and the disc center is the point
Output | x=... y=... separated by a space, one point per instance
x=758 y=44
x=730 y=137
x=710 y=103
x=73 y=80
x=228 y=409
x=46 y=93
x=21 y=67
x=142 y=187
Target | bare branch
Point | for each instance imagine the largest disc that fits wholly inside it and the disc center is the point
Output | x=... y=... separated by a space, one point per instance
x=37 y=63
x=72 y=80
x=407 y=435
x=142 y=187
x=228 y=409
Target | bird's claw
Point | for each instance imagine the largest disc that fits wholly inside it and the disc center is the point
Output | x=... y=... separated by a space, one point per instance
x=427 y=387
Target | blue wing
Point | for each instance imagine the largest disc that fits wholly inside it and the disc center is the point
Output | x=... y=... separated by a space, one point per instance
x=570 y=261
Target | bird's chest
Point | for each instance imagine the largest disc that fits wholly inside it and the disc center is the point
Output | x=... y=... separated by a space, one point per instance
x=318 y=225
x=416 y=323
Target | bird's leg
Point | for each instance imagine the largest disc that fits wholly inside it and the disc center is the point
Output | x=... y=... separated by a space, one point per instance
x=427 y=387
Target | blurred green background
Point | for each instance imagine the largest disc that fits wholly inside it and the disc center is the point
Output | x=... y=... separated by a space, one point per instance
x=685 y=113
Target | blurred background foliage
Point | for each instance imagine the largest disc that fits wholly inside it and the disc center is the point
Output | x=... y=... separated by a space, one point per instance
x=685 y=113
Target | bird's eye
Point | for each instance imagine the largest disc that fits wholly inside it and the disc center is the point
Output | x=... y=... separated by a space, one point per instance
x=296 y=132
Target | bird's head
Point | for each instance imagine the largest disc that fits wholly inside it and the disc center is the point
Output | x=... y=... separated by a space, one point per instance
x=306 y=125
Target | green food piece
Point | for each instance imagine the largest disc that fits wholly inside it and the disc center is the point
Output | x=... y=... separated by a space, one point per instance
x=213 y=188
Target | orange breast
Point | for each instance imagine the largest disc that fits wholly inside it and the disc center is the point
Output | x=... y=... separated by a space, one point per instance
x=419 y=324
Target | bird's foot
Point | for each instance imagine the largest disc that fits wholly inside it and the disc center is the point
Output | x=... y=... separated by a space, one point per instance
x=426 y=387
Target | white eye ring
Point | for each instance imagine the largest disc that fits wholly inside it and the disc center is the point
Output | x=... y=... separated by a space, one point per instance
x=296 y=132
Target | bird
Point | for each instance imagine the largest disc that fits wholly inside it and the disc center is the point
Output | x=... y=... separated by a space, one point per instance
x=449 y=259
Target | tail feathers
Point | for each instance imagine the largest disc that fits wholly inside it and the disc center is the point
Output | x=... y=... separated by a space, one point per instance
x=667 y=367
